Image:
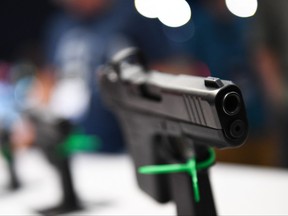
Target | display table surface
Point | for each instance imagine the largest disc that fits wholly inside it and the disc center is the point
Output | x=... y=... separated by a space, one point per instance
x=106 y=185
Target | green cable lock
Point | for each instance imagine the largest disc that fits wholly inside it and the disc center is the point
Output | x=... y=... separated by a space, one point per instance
x=190 y=167
x=77 y=143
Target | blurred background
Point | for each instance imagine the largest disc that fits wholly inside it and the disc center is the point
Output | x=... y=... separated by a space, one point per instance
x=50 y=51
x=49 y=42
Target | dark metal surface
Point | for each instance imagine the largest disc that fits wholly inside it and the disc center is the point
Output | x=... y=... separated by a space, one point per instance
x=154 y=107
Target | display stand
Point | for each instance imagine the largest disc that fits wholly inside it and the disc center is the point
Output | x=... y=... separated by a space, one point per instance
x=70 y=200
x=189 y=200
x=60 y=158
x=7 y=152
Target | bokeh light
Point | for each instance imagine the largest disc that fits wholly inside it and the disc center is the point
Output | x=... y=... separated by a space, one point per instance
x=172 y=13
x=149 y=8
x=242 y=8
x=175 y=13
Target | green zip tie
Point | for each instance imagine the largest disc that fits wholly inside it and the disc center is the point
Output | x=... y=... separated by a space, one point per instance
x=190 y=167
x=79 y=143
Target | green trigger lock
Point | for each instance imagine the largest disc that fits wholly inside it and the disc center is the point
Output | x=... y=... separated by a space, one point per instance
x=191 y=167
x=79 y=143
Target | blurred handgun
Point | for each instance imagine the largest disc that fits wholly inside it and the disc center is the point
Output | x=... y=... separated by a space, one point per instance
x=51 y=132
x=153 y=107
x=56 y=138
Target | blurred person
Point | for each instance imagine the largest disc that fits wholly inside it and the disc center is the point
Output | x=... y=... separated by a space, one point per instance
x=85 y=35
x=270 y=44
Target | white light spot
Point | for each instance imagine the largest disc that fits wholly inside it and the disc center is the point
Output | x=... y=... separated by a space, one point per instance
x=176 y=13
x=172 y=13
x=149 y=8
x=242 y=8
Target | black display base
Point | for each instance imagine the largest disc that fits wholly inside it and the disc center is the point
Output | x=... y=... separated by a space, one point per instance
x=13 y=186
x=61 y=209
x=7 y=152
x=70 y=201
x=14 y=183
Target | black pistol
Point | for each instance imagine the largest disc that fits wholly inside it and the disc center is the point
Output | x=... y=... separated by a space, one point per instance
x=166 y=118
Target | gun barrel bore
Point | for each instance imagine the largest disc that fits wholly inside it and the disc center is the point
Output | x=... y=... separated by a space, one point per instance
x=231 y=103
x=237 y=129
